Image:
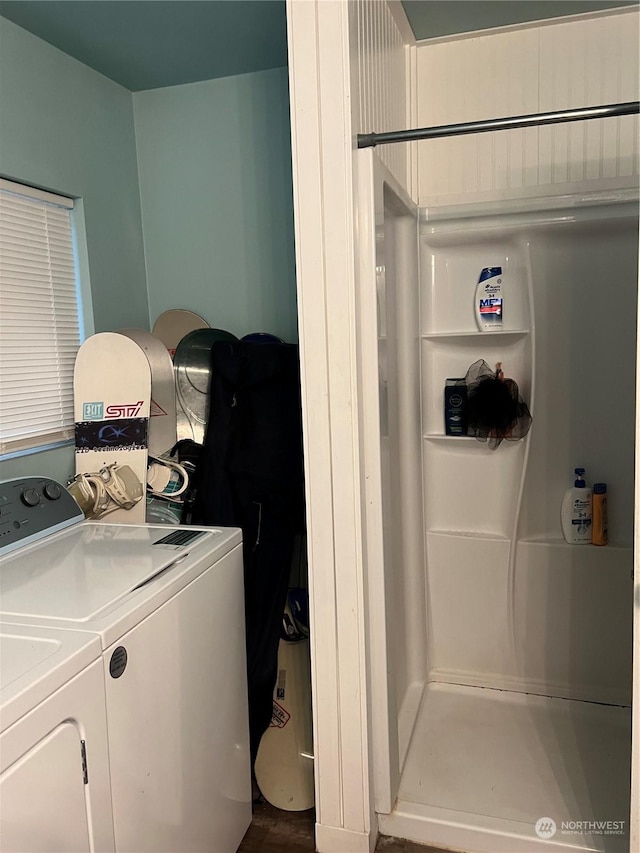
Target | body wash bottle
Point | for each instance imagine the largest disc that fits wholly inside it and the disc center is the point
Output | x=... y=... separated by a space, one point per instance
x=576 y=512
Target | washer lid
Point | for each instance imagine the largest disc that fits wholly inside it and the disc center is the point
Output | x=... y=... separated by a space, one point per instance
x=35 y=662
x=86 y=569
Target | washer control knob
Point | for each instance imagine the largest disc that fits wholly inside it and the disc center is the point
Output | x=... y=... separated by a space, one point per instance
x=30 y=497
x=52 y=491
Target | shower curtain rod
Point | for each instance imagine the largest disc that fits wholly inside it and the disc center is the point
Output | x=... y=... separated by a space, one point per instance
x=370 y=140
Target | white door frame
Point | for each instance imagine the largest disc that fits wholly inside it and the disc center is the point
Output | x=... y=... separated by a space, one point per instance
x=322 y=154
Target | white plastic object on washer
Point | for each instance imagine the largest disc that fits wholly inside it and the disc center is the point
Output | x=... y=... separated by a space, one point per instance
x=166 y=479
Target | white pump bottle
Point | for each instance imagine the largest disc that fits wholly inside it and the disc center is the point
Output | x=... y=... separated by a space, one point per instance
x=576 y=515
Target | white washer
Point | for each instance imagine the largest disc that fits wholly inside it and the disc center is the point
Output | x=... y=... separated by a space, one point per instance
x=166 y=605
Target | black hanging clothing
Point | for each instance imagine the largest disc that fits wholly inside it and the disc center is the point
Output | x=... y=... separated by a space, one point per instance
x=251 y=476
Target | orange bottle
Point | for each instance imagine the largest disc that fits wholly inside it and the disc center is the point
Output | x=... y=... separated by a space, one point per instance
x=600 y=523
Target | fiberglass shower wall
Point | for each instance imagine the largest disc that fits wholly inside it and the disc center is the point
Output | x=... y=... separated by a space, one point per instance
x=556 y=207
x=508 y=604
x=511 y=605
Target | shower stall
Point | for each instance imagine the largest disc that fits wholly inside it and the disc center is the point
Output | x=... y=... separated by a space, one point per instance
x=501 y=656
x=473 y=672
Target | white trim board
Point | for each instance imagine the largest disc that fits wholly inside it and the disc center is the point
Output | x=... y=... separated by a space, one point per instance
x=318 y=38
x=402 y=22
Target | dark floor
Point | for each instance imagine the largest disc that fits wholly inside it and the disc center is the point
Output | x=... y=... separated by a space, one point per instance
x=275 y=831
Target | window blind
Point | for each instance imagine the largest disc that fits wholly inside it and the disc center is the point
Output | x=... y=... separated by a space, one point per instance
x=39 y=318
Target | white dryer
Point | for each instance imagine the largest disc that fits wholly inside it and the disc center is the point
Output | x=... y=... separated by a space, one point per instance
x=166 y=605
x=52 y=717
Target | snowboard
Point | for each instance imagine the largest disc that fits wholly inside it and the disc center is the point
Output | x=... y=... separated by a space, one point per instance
x=284 y=764
x=171 y=327
x=192 y=366
x=162 y=422
x=112 y=396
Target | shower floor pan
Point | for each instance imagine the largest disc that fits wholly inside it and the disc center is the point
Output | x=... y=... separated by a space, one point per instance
x=484 y=766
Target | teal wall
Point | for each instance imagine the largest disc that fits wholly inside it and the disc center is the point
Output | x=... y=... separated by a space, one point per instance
x=66 y=128
x=215 y=181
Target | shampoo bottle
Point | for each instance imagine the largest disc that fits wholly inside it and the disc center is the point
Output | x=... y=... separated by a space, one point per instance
x=576 y=512
x=600 y=533
x=489 y=300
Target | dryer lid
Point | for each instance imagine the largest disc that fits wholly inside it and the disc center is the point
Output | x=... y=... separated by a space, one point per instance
x=35 y=662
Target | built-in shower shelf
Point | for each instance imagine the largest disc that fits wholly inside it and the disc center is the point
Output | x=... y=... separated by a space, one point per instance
x=514 y=334
x=470 y=534
x=559 y=542
x=544 y=540
x=465 y=440
x=433 y=436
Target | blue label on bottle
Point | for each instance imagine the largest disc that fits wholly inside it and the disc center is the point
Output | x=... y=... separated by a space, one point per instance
x=490 y=272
